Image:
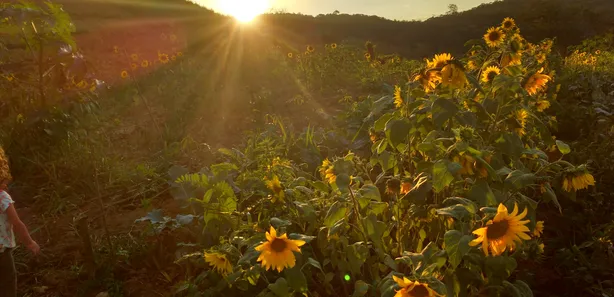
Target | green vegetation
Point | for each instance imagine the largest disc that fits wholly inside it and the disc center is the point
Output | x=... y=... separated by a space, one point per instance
x=203 y=158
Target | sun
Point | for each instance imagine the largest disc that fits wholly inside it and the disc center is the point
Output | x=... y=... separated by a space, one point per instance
x=244 y=10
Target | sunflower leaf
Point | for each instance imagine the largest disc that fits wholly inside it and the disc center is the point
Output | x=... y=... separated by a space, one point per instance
x=456 y=246
x=280 y=288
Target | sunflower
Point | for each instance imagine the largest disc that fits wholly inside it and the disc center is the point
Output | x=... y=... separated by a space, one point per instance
x=5 y=171
x=276 y=252
x=542 y=105
x=179 y=54
x=521 y=116
x=373 y=136
x=466 y=162
x=413 y=288
x=494 y=37
x=163 y=58
x=508 y=23
x=439 y=60
x=428 y=79
x=290 y=55
x=536 y=82
x=116 y=49
x=145 y=64
x=490 y=73
x=578 y=181
x=453 y=75
x=406 y=186
x=472 y=65
x=327 y=171
x=275 y=186
x=173 y=37
x=134 y=57
x=124 y=74
x=333 y=46
x=219 y=262
x=173 y=58
x=368 y=56
x=540 y=248
x=134 y=66
x=398 y=98
x=393 y=186
x=502 y=232
x=539 y=229
x=509 y=59
x=311 y=49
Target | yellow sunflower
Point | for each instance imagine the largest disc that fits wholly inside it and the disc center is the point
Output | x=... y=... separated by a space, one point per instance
x=219 y=262
x=521 y=116
x=503 y=232
x=536 y=82
x=275 y=186
x=539 y=229
x=472 y=65
x=328 y=171
x=311 y=49
x=145 y=64
x=508 y=23
x=428 y=79
x=439 y=60
x=368 y=56
x=490 y=73
x=578 y=181
x=163 y=58
x=173 y=57
x=494 y=37
x=277 y=252
x=413 y=288
x=179 y=54
x=134 y=57
x=134 y=66
x=398 y=98
x=542 y=105
x=333 y=46
x=290 y=55
x=406 y=187
x=124 y=74
x=453 y=75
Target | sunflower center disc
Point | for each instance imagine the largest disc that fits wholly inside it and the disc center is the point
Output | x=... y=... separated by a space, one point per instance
x=497 y=230
x=419 y=291
x=494 y=36
x=278 y=245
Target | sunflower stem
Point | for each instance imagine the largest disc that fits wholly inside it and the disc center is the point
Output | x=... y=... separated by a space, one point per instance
x=358 y=216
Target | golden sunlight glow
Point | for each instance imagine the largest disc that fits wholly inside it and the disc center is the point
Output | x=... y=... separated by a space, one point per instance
x=244 y=10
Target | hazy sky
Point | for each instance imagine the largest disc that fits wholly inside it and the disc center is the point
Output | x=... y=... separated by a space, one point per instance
x=392 y=9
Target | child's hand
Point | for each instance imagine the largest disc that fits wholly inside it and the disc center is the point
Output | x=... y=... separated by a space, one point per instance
x=34 y=248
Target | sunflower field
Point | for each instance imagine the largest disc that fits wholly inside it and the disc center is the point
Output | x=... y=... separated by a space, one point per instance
x=442 y=200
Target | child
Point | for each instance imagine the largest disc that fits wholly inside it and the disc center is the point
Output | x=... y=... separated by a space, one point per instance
x=9 y=221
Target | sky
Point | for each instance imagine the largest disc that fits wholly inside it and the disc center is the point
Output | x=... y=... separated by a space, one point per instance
x=391 y=9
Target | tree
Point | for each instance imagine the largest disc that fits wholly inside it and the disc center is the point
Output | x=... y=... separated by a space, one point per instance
x=452 y=9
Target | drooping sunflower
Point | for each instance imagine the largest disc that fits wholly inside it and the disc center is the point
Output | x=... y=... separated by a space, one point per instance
x=413 y=288
x=503 y=232
x=275 y=186
x=311 y=49
x=521 y=116
x=508 y=23
x=219 y=262
x=124 y=74
x=134 y=57
x=578 y=180
x=327 y=171
x=276 y=252
x=163 y=58
x=145 y=64
x=393 y=186
x=536 y=82
x=406 y=186
x=398 y=98
x=494 y=37
x=440 y=60
x=333 y=46
x=490 y=73
x=453 y=75
x=428 y=79
x=467 y=162
x=539 y=229
x=134 y=66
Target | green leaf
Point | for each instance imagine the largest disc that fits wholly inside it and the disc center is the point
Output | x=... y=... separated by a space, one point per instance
x=549 y=195
x=523 y=288
x=375 y=229
x=303 y=237
x=313 y=262
x=323 y=187
x=360 y=288
x=511 y=289
x=518 y=180
x=499 y=268
x=563 y=147
x=418 y=194
x=280 y=288
x=296 y=279
x=397 y=131
x=457 y=211
x=468 y=204
x=343 y=182
x=370 y=192
x=377 y=208
x=510 y=144
x=222 y=169
x=441 y=175
x=456 y=246
x=278 y=223
x=481 y=192
x=336 y=212
x=443 y=110
x=380 y=124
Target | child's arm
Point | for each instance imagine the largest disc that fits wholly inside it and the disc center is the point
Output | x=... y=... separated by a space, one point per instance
x=21 y=230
